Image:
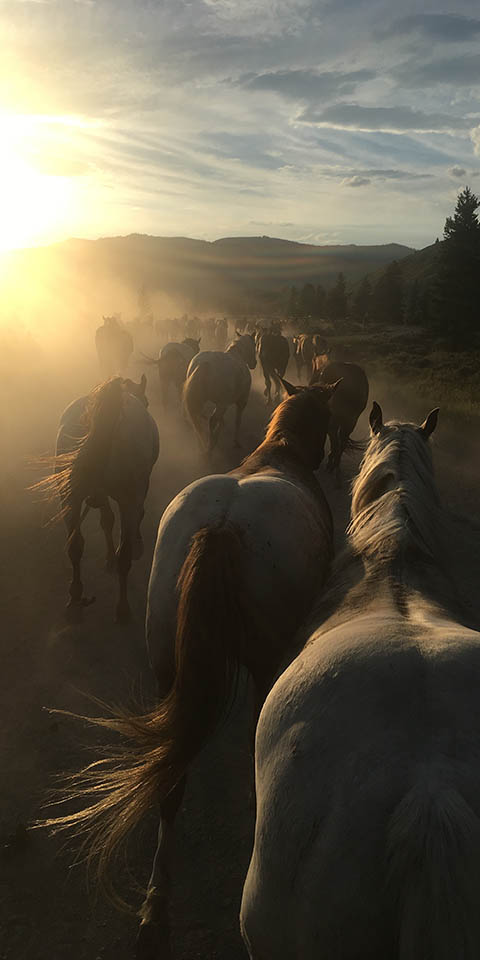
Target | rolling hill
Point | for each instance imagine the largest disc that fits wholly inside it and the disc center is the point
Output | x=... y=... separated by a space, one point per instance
x=176 y=273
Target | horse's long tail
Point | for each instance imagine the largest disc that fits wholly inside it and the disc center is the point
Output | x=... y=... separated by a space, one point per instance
x=81 y=472
x=434 y=862
x=194 y=399
x=158 y=747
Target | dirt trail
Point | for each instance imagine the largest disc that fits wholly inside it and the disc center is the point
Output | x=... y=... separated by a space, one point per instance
x=46 y=912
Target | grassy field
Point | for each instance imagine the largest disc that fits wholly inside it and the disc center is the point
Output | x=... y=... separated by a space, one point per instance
x=450 y=379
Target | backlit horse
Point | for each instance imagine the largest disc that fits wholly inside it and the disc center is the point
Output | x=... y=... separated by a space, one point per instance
x=114 y=346
x=237 y=562
x=172 y=363
x=222 y=379
x=274 y=354
x=348 y=403
x=107 y=445
x=367 y=840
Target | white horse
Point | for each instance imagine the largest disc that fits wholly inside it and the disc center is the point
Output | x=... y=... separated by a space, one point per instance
x=222 y=379
x=367 y=841
x=237 y=562
x=107 y=445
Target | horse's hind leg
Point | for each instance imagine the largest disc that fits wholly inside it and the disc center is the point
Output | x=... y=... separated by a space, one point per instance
x=153 y=941
x=107 y=521
x=75 y=545
x=124 y=562
x=215 y=425
x=268 y=385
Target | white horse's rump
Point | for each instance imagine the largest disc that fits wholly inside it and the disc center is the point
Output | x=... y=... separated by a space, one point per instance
x=283 y=533
x=367 y=840
x=222 y=379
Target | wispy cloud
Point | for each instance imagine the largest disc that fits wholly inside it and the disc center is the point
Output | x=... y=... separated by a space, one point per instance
x=444 y=27
x=353 y=116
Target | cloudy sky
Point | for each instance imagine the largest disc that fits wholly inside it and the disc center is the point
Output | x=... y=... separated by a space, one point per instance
x=318 y=120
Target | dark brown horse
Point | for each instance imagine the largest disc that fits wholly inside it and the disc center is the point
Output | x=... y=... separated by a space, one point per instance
x=348 y=403
x=107 y=445
x=173 y=362
x=237 y=561
x=274 y=354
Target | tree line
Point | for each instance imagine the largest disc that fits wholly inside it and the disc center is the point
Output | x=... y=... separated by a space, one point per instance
x=447 y=304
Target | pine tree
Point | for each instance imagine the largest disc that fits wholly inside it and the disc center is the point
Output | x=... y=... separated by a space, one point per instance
x=307 y=301
x=387 y=298
x=456 y=306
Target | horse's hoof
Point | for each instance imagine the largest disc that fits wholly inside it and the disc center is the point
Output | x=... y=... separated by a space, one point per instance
x=153 y=942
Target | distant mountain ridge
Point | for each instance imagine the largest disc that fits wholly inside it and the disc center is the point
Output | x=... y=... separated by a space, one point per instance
x=231 y=274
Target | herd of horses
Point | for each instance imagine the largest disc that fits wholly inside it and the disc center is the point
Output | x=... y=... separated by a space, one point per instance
x=364 y=667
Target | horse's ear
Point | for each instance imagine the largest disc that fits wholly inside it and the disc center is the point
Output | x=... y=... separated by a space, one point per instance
x=143 y=383
x=331 y=387
x=428 y=425
x=289 y=388
x=376 y=418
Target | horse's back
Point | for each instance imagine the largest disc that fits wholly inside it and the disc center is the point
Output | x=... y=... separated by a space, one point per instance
x=135 y=442
x=369 y=711
x=354 y=387
x=286 y=546
x=177 y=351
x=227 y=377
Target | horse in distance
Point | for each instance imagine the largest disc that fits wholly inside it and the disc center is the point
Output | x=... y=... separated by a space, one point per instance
x=114 y=346
x=237 y=562
x=367 y=840
x=274 y=353
x=221 y=379
x=306 y=347
x=348 y=403
x=173 y=362
x=107 y=445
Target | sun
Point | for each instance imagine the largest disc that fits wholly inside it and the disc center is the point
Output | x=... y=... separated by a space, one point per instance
x=35 y=207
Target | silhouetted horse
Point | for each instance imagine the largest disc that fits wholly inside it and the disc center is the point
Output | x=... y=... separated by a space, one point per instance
x=173 y=362
x=114 y=347
x=222 y=379
x=237 y=561
x=107 y=445
x=274 y=354
x=348 y=403
x=367 y=841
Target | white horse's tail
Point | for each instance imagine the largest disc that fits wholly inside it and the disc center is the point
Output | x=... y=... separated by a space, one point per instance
x=434 y=874
x=194 y=399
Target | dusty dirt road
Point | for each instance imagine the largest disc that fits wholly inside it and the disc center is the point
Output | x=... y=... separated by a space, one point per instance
x=46 y=911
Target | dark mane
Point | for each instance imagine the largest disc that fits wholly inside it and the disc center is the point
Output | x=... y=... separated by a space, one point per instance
x=78 y=473
x=296 y=432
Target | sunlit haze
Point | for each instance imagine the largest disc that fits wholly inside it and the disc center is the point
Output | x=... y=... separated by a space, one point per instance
x=305 y=119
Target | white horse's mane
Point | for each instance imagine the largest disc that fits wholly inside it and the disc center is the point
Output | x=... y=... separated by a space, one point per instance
x=394 y=498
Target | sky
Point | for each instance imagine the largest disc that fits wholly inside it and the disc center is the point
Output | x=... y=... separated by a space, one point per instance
x=324 y=121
